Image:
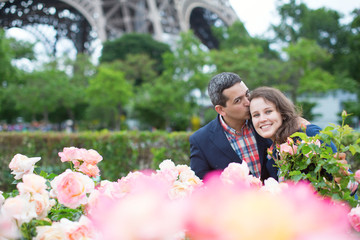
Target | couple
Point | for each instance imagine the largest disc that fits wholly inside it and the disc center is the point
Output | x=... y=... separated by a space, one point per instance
x=233 y=137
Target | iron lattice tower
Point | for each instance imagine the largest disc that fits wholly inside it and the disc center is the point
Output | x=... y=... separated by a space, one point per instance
x=82 y=21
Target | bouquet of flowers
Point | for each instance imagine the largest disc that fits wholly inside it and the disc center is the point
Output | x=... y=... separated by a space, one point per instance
x=312 y=159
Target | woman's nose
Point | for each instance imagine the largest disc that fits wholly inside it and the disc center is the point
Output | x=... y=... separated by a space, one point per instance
x=262 y=118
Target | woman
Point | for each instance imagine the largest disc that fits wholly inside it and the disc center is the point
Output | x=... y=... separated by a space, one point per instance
x=275 y=117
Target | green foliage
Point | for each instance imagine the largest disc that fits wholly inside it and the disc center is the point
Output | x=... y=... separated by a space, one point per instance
x=304 y=72
x=318 y=164
x=134 y=43
x=109 y=89
x=168 y=102
x=122 y=152
x=37 y=86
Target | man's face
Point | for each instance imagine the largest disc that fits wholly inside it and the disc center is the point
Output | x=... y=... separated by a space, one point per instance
x=237 y=105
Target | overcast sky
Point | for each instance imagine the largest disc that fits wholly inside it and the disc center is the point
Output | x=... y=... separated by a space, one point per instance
x=257 y=15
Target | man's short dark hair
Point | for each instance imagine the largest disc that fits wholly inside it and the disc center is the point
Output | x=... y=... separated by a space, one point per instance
x=218 y=84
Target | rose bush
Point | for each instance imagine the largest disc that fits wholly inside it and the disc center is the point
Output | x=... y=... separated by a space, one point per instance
x=166 y=203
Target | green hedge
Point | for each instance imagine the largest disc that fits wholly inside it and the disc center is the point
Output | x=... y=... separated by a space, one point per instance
x=122 y=152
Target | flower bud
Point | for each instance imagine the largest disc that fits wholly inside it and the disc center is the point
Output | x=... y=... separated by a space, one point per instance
x=344 y=114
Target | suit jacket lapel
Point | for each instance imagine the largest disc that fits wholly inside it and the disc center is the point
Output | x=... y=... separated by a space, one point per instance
x=220 y=141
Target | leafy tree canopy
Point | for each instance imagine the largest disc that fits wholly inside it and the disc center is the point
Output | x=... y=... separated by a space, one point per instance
x=134 y=43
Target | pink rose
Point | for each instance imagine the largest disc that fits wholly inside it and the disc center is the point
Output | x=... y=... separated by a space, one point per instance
x=357 y=176
x=71 y=188
x=235 y=172
x=21 y=165
x=288 y=149
x=89 y=169
x=354 y=218
x=91 y=157
x=8 y=228
x=69 y=154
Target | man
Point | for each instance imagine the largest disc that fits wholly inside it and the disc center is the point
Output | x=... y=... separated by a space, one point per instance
x=230 y=137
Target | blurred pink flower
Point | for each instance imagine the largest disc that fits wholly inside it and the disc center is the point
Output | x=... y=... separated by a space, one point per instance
x=8 y=228
x=144 y=213
x=236 y=173
x=71 y=188
x=21 y=165
x=273 y=186
x=354 y=218
x=223 y=211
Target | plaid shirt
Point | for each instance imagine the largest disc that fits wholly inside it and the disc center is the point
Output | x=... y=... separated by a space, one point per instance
x=244 y=144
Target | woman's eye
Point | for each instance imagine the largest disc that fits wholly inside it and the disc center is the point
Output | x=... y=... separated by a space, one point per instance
x=268 y=111
x=255 y=115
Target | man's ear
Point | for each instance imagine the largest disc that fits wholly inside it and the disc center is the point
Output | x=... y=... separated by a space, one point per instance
x=220 y=110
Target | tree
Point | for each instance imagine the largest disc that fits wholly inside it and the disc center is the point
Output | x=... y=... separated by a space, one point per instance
x=40 y=93
x=134 y=43
x=236 y=36
x=138 y=68
x=170 y=101
x=304 y=72
x=72 y=102
x=109 y=90
x=11 y=49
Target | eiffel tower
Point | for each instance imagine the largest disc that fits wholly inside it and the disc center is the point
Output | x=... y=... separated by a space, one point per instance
x=82 y=21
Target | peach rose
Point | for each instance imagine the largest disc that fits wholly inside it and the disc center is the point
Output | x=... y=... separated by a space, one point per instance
x=180 y=190
x=32 y=183
x=43 y=204
x=21 y=165
x=71 y=188
x=188 y=176
x=89 y=169
x=20 y=208
x=79 y=230
x=55 y=231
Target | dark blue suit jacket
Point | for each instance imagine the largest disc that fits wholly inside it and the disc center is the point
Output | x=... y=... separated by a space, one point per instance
x=210 y=150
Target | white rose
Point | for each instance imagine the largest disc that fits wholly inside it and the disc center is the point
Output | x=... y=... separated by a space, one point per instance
x=21 y=165
x=20 y=208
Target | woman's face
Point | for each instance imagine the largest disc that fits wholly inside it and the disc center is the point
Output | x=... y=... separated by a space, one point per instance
x=265 y=117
